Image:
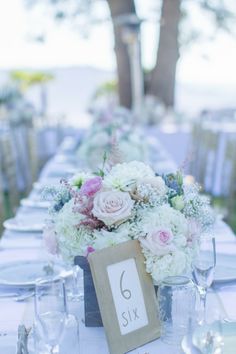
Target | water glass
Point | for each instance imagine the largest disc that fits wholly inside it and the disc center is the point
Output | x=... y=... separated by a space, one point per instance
x=74 y=285
x=176 y=298
x=50 y=311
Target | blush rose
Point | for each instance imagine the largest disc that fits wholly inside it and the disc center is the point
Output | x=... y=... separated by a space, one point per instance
x=159 y=241
x=112 y=207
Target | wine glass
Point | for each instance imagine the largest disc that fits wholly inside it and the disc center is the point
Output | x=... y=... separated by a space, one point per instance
x=203 y=270
x=50 y=311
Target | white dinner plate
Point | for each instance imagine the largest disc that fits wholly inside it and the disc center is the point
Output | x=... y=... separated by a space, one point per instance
x=23 y=225
x=22 y=274
x=8 y=342
x=35 y=203
x=226 y=330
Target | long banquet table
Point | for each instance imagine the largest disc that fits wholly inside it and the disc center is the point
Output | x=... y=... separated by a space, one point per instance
x=17 y=246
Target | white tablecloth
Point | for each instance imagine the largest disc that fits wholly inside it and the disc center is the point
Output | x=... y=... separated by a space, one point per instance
x=21 y=246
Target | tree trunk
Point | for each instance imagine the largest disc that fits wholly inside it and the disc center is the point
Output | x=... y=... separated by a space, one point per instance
x=162 y=82
x=118 y=8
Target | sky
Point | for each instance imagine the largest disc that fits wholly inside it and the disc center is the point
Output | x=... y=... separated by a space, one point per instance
x=210 y=63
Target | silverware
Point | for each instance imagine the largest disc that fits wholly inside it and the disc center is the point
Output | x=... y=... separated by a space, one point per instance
x=24 y=297
x=6 y=295
x=20 y=296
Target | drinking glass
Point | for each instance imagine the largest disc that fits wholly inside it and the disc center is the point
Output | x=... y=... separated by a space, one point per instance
x=176 y=298
x=203 y=270
x=50 y=311
x=74 y=284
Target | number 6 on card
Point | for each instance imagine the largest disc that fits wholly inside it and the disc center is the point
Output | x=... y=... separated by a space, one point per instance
x=126 y=296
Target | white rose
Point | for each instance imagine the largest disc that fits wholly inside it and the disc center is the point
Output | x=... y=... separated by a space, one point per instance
x=112 y=208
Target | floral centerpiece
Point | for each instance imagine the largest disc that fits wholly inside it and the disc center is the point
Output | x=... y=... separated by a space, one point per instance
x=91 y=212
x=109 y=126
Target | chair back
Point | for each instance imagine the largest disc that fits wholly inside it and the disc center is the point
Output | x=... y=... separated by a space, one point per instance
x=2 y=206
x=230 y=178
x=9 y=173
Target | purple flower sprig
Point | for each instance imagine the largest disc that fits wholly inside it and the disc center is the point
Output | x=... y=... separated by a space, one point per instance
x=84 y=202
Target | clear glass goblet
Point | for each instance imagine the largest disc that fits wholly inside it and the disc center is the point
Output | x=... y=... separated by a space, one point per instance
x=203 y=267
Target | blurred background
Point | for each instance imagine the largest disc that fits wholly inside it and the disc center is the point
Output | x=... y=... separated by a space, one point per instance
x=170 y=62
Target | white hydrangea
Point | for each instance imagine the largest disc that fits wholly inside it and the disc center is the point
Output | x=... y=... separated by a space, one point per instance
x=125 y=176
x=164 y=216
x=104 y=238
x=72 y=241
x=172 y=264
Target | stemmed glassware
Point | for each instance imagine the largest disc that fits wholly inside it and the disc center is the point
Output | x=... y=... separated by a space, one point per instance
x=203 y=270
x=50 y=311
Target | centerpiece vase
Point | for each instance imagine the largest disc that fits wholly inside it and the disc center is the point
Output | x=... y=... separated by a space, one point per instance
x=91 y=308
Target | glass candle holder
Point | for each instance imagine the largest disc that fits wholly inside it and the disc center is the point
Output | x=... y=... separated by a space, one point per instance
x=176 y=298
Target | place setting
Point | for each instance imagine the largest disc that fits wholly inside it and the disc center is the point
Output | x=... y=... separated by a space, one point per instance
x=24 y=224
x=35 y=203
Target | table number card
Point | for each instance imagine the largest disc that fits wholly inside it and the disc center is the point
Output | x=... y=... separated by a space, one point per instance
x=126 y=296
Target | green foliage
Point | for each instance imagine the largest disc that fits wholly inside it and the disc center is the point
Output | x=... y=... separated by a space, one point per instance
x=220 y=17
x=25 y=79
x=106 y=88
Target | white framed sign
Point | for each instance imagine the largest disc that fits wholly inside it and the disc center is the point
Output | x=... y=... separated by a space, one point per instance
x=126 y=296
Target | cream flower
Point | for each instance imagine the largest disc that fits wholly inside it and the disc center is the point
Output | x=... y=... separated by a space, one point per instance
x=125 y=176
x=112 y=208
x=79 y=178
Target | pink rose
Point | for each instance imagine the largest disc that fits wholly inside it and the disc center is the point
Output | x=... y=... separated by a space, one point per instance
x=158 y=241
x=50 y=240
x=91 y=187
x=112 y=207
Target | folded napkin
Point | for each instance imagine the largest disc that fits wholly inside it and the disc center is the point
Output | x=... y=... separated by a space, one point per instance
x=22 y=340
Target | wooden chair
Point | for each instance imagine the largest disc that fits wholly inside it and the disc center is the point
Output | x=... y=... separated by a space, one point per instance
x=231 y=185
x=24 y=140
x=33 y=154
x=204 y=151
x=2 y=207
x=9 y=173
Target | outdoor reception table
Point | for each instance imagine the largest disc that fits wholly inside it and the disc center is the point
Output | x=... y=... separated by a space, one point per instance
x=17 y=246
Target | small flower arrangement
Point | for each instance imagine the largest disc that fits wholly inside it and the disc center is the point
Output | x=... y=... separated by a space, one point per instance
x=127 y=202
x=107 y=127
